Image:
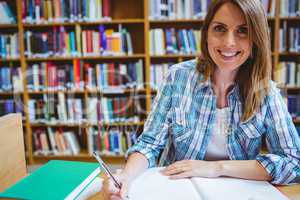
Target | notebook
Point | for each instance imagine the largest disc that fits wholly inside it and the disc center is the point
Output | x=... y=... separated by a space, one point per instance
x=57 y=180
x=153 y=185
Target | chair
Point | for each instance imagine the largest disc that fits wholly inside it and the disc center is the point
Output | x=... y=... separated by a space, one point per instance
x=12 y=154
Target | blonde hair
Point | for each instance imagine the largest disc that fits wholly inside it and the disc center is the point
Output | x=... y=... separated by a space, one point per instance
x=254 y=75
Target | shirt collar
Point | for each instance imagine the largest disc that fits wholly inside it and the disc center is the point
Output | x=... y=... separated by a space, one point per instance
x=207 y=85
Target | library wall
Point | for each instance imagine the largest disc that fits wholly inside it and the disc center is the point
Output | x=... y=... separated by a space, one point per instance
x=84 y=73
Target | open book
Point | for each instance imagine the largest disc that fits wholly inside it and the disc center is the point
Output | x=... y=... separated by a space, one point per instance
x=153 y=185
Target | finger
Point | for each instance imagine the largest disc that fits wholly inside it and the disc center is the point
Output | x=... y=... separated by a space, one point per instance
x=124 y=190
x=176 y=164
x=186 y=174
x=170 y=167
x=176 y=170
x=112 y=188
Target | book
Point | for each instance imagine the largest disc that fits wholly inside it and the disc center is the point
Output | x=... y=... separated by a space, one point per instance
x=6 y=14
x=55 y=180
x=153 y=185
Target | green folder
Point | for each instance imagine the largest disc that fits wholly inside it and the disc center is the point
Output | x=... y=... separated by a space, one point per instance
x=54 y=180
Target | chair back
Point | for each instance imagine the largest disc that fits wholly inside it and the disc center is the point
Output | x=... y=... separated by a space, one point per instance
x=12 y=151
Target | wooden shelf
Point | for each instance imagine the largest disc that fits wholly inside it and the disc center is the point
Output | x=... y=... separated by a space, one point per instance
x=9 y=60
x=290 y=88
x=28 y=25
x=173 y=56
x=81 y=92
x=55 y=92
x=56 y=125
x=116 y=21
x=176 y=21
x=100 y=57
x=87 y=125
x=293 y=87
x=289 y=53
x=134 y=56
x=296 y=121
x=10 y=93
x=2 y=26
x=125 y=91
x=290 y=18
x=81 y=157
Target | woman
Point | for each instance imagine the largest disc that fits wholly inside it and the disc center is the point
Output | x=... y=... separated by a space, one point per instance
x=210 y=115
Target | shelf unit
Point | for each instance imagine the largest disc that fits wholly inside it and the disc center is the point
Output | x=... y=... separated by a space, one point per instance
x=134 y=15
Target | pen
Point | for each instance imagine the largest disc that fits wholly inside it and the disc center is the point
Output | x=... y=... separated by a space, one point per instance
x=103 y=165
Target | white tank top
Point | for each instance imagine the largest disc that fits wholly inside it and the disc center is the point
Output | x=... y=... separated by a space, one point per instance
x=216 y=149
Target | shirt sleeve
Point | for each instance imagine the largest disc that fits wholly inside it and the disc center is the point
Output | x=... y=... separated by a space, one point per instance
x=283 y=142
x=153 y=139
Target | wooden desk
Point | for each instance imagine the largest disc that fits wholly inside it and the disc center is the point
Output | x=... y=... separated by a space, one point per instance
x=292 y=192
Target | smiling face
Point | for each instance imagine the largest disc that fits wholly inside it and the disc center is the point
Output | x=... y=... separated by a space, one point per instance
x=227 y=40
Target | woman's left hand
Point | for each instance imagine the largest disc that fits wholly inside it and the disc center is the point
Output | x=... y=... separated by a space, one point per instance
x=191 y=168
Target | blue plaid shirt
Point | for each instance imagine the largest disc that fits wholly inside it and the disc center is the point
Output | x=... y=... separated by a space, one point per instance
x=180 y=126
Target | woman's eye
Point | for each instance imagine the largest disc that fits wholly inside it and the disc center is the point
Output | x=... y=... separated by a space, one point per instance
x=243 y=30
x=219 y=28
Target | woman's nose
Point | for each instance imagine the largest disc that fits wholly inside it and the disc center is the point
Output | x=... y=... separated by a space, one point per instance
x=229 y=39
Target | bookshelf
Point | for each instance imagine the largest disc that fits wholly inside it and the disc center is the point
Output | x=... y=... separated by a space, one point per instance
x=133 y=16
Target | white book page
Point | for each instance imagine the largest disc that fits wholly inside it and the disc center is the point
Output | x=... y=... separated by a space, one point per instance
x=236 y=189
x=94 y=187
x=152 y=185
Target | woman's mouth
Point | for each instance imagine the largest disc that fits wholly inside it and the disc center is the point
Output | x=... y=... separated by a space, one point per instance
x=228 y=56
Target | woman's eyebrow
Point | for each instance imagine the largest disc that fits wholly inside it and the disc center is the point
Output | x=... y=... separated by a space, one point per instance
x=243 y=25
x=220 y=23
x=216 y=22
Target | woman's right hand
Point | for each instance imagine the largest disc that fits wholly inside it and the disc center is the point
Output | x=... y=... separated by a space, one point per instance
x=116 y=193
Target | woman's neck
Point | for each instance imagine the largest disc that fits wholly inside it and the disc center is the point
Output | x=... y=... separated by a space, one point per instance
x=222 y=82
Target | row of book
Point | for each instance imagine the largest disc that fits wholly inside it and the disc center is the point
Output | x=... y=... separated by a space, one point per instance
x=106 y=42
x=48 y=110
x=47 y=11
x=190 y=9
x=55 y=142
x=11 y=106
x=289 y=38
x=116 y=109
x=174 y=9
x=6 y=15
x=294 y=39
x=9 y=45
x=157 y=74
x=288 y=73
x=293 y=103
x=289 y=8
x=11 y=79
x=110 y=142
x=69 y=42
x=171 y=41
x=113 y=76
x=104 y=77
x=269 y=6
x=48 y=76
x=70 y=110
